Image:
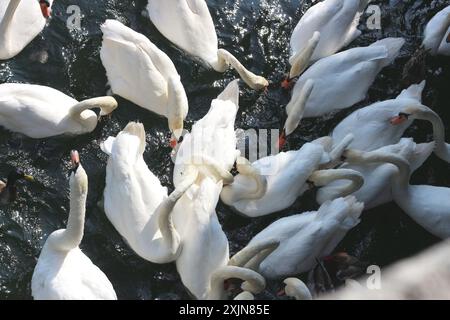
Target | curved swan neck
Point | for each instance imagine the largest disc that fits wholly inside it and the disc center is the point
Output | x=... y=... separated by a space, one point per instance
x=253 y=281
x=177 y=104
x=438 y=132
x=105 y=104
x=164 y=211
x=401 y=163
x=324 y=177
x=8 y=17
x=297 y=107
x=225 y=59
x=252 y=255
x=302 y=59
x=71 y=237
x=238 y=192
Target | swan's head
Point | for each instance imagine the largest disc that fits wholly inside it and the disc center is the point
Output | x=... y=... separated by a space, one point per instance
x=16 y=175
x=78 y=177
x=296 y=288
x=409 y=112
x=45 y=8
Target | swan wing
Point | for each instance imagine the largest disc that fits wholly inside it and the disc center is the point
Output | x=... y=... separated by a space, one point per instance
x=144 y=81
x=188 y=24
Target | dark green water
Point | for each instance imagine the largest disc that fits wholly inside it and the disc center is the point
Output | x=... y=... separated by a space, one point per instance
x=258 y=33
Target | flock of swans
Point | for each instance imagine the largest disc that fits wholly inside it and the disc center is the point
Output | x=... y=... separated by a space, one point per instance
x=364 y=162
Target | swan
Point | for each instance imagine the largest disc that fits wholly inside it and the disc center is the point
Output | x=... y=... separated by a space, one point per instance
x=135 y=201
x=437 y=33
x=421 y=112
x=151 y=81
x=213 y=138
x=20 y=23
x=334 y=76
x=63 y=271
x=372 y=126
x=306 y=237
x=297 y=289
x=427 y=205
x=274 y=183
x=203 y=262
x=189 y=25
x=376 y=189
x=8 y=190
x=41 y=112
x=335 y=20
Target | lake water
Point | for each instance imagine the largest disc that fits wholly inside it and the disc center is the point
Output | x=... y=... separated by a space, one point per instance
x=258 y=33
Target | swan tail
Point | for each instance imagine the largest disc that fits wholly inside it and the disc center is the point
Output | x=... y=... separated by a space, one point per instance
x=355 y=210
x=413 y=92
x=393 y=47
x=231 y=93
x=341 y=209
x=137 y=129
x=106 y=146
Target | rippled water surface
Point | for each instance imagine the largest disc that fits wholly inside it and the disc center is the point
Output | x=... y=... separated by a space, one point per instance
x=258 y=33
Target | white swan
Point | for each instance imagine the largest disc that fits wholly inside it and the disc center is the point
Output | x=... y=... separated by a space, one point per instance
x=437 y=33
x=20 y=22
x=63 y=271
x=307 y=237
x=135 y=201
x=372 y=126
x=41 y=112
x=427 y=205
x=213 y=138
x=150 y=81
x=202 y=264
x=189 y=25
x=274 y=183
x=337 y=22
x=297 y=289
x=378 y=177
x=341 y=80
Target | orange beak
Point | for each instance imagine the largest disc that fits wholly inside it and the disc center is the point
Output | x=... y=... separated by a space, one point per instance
x=286 y=83
x=398 y=120
x=173 y=143
x=45 y=8
x=282 y=140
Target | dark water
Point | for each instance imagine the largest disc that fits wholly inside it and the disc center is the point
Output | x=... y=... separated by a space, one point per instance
x=258 y=33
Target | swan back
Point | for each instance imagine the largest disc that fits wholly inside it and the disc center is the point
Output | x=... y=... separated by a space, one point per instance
x=27 y=22
x=132 y=192
x=437 y=32
x=188 y=24
x=145 y=81
x=205 y=245
x=316 y=235
x=336 y=20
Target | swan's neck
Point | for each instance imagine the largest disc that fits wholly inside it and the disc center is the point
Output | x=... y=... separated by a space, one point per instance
x=177 y=105
x=226 y=59
x=236 y=192
x=401 y=178
x=324 y=177
x=8 y=17
x=301 y=60
x=170 y=237
x=105 y=104
x=297 y=106
x=254 y=282
x=442 y=149
x=253 y=255
x=71 y=237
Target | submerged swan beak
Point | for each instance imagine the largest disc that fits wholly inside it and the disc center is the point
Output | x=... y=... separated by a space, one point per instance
x=45 y=8
x=401 y=118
